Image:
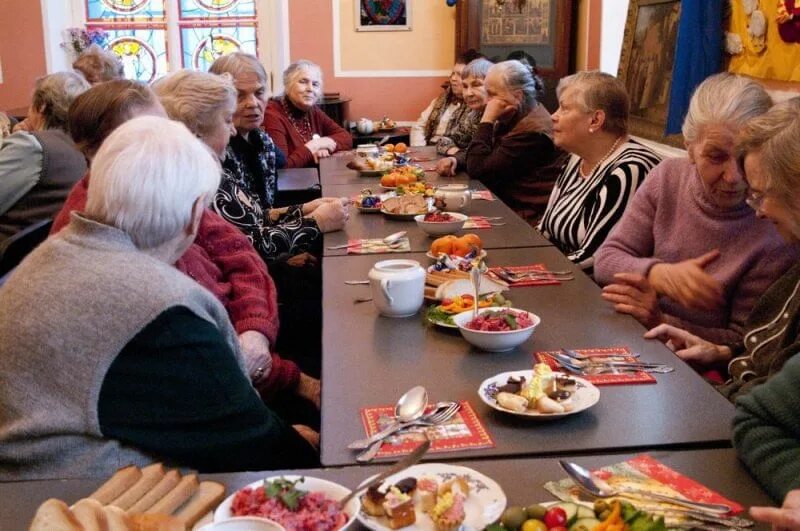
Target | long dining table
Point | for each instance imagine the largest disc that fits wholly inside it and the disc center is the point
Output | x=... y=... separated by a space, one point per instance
x=369 y=360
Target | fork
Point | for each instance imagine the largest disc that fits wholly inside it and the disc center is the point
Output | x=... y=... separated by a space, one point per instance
x=435 y=419
x=574 y=354
x=589 y=367
x=512 y=276
x=440 y=409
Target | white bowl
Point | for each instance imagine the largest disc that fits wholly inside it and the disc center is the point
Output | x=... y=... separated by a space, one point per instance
x=440 y=228
x=495 y=341
x=329 y=488
x=244 y=523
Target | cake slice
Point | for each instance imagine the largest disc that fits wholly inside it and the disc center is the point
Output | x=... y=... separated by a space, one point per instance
x=399 y=509
x=448 y=514
x=427 y=487
x=372 y=501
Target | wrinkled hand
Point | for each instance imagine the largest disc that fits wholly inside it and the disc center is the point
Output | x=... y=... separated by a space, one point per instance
x=310 y=389
x=687 y=282
x=631 y=293
x=311 y=206
x=330 y=216
x=688 y=346
x=446 y=166
x=308 y=434
x=496 y=109
x=321 y=154
x=255 y=350
x=785 y=518
x=302 y=260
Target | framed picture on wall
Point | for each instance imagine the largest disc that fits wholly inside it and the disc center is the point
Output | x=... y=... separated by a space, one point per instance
x=383 y=15
x=645 y=66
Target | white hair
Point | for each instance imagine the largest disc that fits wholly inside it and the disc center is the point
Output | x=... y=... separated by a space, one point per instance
x=146 y=177
x=295 y=71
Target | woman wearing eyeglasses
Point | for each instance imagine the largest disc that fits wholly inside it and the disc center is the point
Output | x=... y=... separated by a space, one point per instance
x=688 y=251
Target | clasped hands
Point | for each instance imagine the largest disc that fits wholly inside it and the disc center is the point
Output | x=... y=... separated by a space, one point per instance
x=321 y=147
x=330 y=213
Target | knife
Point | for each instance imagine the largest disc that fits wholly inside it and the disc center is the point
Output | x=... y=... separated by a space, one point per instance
x=411 y=459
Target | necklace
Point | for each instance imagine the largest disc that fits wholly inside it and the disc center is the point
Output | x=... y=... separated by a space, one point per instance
x=602 y=159
x=301 y=125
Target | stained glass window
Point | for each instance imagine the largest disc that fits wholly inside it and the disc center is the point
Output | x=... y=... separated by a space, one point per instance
x=138 y=32
x=201 y=45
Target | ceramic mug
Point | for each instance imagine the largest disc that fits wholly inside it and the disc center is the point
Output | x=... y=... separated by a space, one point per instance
x=453 y=197
x=398 y=287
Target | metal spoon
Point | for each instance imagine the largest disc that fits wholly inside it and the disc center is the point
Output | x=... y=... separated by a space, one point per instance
x=392 y=238
x=410 y=407
x=599 y=488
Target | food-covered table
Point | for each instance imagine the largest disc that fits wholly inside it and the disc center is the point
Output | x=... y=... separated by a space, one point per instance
x=508 y=230
x=369 y=360
x=521 y=480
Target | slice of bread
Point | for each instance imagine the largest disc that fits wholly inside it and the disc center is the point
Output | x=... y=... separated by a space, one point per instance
x=208 y=495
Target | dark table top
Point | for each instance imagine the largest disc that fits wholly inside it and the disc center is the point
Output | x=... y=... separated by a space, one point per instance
x=369 y=360
x=521 y=479
x=333 y=170
x=294 y=179
x=515 y=233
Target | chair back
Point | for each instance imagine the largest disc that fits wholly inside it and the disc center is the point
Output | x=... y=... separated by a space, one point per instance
x=17 y=246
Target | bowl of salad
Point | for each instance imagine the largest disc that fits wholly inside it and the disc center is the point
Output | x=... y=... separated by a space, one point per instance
x=440 y=223
x=497 y=329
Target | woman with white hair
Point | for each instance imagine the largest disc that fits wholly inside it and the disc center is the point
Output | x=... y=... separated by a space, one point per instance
x=39 y=163
x=604 y=170
x=688 y=250
x=150 y=368
x=297 y=126
x=512 y=151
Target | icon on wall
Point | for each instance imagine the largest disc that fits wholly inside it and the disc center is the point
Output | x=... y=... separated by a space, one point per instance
x=383 y=15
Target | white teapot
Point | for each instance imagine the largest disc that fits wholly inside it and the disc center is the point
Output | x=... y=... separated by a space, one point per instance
x=398 y=287
x=365 y=126
x=453 y=197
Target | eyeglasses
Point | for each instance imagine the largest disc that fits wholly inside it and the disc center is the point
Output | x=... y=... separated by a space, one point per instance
x=755 y=199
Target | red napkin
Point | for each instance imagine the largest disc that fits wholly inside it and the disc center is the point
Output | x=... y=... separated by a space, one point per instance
x=603 y=379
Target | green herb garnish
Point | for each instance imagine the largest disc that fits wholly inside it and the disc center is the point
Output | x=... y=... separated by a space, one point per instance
x=435 y=313
x=285 y=491
x=511 y=320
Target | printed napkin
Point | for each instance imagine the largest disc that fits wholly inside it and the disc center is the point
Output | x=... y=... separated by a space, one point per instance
x=644 y=472
x=638 y=377
x=486 y=195
x=496 y=272
x=377 y=245
x=477 y=222
x=464 y=431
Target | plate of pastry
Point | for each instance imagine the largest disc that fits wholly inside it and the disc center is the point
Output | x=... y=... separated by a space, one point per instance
x=433 y=496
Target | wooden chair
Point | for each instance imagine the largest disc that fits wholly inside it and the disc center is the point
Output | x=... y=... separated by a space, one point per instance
x=17 y=247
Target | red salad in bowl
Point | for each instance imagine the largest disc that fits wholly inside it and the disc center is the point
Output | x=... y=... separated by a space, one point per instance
x=438 y=217
x=500 y=321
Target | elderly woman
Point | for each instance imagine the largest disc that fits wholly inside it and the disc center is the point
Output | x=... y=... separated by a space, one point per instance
x=765 y=375
x=297 y=126
x=512 y=151
x=447 y=112
x=150 y=368
x=98 y=65
x=249 y=185
x=38 y=166
x=604 y=170
x=220 y=259
x=689 y=251
x=454 y=148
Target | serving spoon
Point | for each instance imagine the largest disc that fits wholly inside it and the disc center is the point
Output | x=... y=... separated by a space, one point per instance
x=410 y=406
x=599 y=488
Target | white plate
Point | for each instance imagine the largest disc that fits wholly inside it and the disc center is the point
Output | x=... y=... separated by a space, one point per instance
x=404 y=217
x=366 y=210
x=436 y=257
x=331 y=490
x=586 y=395
x=441 y=323
x=485 y=504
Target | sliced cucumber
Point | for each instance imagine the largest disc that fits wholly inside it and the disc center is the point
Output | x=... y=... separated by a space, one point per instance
x=570 y=508
x=585 y=512
x=584 y=524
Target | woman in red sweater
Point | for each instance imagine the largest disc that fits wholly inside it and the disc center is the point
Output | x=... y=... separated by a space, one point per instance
x=297 y=126
x=221 y=259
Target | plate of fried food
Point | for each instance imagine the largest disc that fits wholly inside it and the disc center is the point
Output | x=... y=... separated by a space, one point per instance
x=405 y=207
x=433 y=496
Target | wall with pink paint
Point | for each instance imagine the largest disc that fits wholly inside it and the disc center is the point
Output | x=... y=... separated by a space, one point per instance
x=311 y=37
x=21 y=51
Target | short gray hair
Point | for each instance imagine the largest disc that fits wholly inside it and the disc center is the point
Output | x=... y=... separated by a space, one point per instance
x=477 y=68
x=54 y=94
x=598 y=91
x=293 y=72
x=727 y=99
x=519 y=76
x=98 y=65
x=146 y=177
x=776 y=135
x=236 y=63
x=195 y=98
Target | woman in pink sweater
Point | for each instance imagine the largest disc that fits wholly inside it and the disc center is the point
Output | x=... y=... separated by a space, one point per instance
x=689 y=251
